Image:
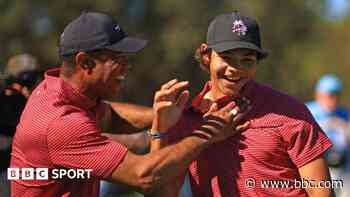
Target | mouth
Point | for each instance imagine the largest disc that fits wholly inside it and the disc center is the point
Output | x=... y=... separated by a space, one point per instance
x=233 y=79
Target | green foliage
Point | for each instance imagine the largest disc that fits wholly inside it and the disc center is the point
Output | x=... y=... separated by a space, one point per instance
x=302 y=45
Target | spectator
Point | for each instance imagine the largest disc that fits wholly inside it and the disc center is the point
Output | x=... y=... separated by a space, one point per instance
x=334 y=120
x=23 y=73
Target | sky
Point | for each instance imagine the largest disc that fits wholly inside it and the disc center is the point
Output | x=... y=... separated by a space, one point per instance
x=337 y=9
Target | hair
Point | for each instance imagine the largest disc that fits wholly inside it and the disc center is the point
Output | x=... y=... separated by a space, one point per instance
x=68 y=65
x=68 y=62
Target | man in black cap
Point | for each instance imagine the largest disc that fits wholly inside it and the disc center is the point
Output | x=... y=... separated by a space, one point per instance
x=59 y=127
x=281 y=152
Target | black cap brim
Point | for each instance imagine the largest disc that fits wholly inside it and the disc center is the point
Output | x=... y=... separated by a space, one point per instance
x=225 y=46
x=128 y=45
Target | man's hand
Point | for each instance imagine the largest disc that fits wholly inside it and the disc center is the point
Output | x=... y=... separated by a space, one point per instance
x=169 y=103
x=220 y=124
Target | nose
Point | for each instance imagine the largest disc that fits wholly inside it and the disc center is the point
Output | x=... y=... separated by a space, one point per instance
x=234 y=70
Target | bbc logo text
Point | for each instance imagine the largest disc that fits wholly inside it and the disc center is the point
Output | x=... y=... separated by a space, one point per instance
x=46 y=173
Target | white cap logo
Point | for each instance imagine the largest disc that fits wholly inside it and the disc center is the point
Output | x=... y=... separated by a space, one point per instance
x=116 y=28
x=239 y=27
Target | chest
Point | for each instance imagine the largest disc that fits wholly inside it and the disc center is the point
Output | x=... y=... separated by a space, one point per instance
x=254 y=148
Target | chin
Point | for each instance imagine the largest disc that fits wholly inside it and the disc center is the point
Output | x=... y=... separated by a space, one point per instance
x=232 y=92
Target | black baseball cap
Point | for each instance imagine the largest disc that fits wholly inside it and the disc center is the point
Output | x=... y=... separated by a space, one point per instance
x=92 y=31
x=233 y=31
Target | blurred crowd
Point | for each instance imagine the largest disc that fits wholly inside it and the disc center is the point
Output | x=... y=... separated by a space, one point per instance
x=21 y=75
x=23 y=72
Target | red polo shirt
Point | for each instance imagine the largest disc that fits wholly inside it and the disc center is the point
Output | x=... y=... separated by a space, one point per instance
x=283 y=137
x=58 y=129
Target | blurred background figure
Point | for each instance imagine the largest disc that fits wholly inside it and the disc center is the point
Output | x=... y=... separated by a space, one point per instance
x=23 y=74
x=334 y=120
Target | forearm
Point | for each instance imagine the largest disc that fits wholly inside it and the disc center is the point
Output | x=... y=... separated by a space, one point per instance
x=151 y=171
x=136 y=143
x=166 y=164
x=137 y=116
x=172 y=188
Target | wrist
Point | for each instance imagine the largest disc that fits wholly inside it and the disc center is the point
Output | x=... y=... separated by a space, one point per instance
x=203 y=142
x=155 y=134
x=158 y=128
x=203 y=135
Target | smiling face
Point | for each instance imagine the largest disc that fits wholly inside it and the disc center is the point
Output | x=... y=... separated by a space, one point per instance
x=231 y=70
x=108 y=74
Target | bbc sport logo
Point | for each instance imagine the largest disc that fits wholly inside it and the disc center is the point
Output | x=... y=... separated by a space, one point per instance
x=43 y=173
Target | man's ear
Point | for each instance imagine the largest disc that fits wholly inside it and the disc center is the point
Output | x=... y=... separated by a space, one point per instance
x=84 y=61
x=205 y=56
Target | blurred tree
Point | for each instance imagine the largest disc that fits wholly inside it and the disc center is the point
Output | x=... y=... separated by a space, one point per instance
x=302 y=44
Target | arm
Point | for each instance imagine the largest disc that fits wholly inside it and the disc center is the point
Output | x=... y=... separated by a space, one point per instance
x=148 y=173
x=136 y=142
x=316 y=170
x=158 y=169
x=164 y=164
x=127 y=127
x=175 y=163
x=125 y=118
x=130 y=118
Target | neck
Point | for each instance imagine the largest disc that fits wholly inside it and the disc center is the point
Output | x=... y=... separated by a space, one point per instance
x=78 y=83
x=215 y=95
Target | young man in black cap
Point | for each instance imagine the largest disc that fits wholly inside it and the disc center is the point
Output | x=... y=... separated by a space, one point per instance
x=59 y=126
x=281 y=152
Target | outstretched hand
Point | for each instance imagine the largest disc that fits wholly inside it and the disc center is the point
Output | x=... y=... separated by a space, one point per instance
x=169 y=103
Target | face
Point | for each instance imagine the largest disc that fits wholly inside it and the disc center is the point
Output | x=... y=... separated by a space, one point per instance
x=231 y=70
x=108 y=74
x=328 y=101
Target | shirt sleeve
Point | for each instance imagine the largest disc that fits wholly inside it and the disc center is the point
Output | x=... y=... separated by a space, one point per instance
x=75 y=142
x=306 y=141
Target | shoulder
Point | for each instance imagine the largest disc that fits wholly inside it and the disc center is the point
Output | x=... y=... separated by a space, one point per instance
x=72 y=124
x=281 y=102
x=284 y=109
x=72 y=117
